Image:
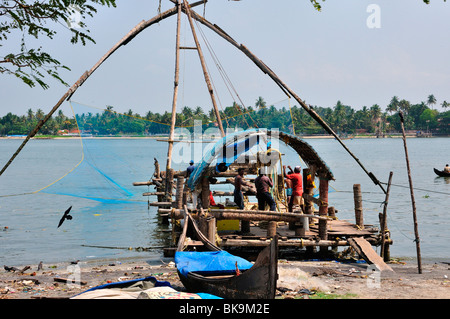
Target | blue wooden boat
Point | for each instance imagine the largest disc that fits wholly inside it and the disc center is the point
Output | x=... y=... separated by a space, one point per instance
x=222 y=274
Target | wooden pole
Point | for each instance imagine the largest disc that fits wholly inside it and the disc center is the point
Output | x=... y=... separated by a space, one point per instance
x=246 y=215
x=357 y=197
x=175 y=90
x=179 y=193
x=384 y=219
x=264 y=68
x=205 y=72
x=127 y=38
x=169 y=184
x=323 y=210
x=207 y=225
x=205 y=193
x=416 y=227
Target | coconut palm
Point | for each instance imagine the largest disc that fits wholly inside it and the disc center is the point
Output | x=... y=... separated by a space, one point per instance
x=260 y=103
x=431 y=100
x=393 y=105
x=404 y=106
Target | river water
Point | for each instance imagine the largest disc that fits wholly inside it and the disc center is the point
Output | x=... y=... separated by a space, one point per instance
x=108 y=211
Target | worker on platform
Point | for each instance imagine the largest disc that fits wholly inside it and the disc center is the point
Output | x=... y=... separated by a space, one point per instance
x=238 y=182
x=297 y=186
x=263 y=184
x=190 y=168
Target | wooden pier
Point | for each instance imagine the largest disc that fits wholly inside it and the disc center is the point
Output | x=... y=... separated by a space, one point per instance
x=315 y=230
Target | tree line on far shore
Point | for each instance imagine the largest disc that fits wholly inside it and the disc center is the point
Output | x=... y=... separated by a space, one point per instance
x=343 y=119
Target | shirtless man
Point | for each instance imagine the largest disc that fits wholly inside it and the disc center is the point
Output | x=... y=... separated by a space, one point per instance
x=238 y=182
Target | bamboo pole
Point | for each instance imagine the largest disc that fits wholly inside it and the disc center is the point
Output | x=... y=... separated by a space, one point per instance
x=205 y=193
x=179 y=193
x=296 y=243
x=205 y=72
x=357 y=198
x=413 y=202
x=264 y=68
x=175 y=90
x=127 y=38
x=247 y=215
x=323 y=211
x=384 y=218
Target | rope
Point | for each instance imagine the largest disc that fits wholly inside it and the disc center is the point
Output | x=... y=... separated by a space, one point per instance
x=82 y=159
x=420 y=189
x=292 y=118
x=228 y=83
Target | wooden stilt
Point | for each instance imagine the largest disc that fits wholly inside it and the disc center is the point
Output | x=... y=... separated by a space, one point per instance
x=323 y=211
x=271 y=229
x=169 y=184
x=413 y=202
x=357 y=196
x=179 y=193
x=205 y=193
x=383 y=224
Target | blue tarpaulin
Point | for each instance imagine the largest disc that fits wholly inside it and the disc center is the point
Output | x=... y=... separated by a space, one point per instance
x=218 y=262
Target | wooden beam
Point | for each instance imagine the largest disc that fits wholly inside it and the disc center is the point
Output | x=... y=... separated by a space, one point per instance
x=127 y=38
x=365 y=250
x=264 y=68
x=175 y=91
x=205 y=71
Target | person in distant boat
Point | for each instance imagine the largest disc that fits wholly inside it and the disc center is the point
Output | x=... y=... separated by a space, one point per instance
x=263 y=184
x=190 y=168
x=297 y=186
x=447 y=169
x=238 y=182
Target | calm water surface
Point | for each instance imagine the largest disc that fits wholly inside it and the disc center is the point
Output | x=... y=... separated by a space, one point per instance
x=108 y=211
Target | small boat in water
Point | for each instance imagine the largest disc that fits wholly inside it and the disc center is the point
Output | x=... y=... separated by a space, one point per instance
x=217 y=272
x=441 y=173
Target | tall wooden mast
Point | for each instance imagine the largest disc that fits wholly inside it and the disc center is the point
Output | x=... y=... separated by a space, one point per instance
x=205 y=72
x=175 y=91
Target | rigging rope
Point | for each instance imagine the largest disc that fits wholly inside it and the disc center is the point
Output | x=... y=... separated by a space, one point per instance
x=227 y=81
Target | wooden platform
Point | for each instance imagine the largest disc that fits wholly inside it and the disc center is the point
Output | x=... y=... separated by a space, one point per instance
x=338 y=233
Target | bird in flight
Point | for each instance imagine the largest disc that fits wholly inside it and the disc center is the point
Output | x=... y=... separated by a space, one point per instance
x=65 y=216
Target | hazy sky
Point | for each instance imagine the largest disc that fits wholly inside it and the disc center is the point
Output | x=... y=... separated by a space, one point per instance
x=323 y=56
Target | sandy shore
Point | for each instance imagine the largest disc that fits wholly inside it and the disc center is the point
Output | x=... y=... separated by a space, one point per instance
x=297 y=279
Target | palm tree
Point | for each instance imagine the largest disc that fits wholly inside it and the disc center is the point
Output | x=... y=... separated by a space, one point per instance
x=375 y=114
x=445 y=104
x=40 y=114
x=393 y=105
x=260 y=103
x=198 y=112
x=431 y=100
x=187 y=112
x=404 y=106
x=30 y=114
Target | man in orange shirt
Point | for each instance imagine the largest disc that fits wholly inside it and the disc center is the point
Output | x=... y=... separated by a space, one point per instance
x=297 y=186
